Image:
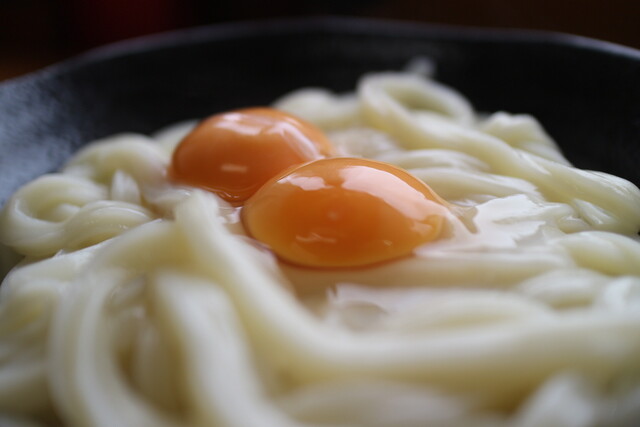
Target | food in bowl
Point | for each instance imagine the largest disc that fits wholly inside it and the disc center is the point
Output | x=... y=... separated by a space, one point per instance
x=147 y=299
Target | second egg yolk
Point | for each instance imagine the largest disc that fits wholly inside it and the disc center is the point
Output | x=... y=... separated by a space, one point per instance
x=233 y=154
x=344 y=212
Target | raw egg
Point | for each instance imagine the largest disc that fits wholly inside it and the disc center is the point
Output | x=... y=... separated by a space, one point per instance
x=344 y=212
x=233 y=154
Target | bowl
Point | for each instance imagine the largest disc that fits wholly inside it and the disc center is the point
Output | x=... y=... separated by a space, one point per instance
x=585 y=92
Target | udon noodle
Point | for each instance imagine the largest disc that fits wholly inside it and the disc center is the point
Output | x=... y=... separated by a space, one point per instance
x=137 y=302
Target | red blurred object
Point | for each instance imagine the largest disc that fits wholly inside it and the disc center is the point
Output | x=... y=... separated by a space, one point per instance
x=96 y=22
x=36 y=33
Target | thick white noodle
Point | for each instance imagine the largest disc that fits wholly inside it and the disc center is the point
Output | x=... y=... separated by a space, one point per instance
x=140 y=303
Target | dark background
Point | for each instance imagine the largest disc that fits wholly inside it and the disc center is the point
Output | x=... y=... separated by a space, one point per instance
x=36 y=33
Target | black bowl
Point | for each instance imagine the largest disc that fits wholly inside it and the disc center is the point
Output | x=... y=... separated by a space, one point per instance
x=585 y=92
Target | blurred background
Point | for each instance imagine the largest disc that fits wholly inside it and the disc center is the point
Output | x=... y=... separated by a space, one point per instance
x=36 y=33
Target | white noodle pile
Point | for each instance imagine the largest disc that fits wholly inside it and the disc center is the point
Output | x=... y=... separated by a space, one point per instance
x=141 y=304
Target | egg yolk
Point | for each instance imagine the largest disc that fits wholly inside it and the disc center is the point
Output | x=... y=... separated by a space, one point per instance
x=344 y=212
x=234 y=153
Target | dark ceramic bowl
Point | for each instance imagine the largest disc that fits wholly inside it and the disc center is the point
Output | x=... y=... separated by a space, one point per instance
x=585 y=92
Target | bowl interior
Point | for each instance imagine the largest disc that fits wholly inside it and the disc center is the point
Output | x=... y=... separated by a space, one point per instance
x=586 y=93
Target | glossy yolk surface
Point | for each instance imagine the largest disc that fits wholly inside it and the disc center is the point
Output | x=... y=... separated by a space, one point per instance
x=233 y=154
x=344 y=212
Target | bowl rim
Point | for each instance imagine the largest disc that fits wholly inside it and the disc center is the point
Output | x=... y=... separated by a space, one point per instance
x=329 y=25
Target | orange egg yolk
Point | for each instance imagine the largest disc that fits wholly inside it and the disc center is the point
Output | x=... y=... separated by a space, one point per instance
x=344 y=212
x=233 y=154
